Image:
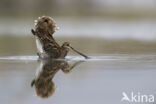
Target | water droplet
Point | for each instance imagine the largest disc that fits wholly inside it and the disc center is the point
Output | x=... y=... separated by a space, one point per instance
x=35 y=21
x=57 y=28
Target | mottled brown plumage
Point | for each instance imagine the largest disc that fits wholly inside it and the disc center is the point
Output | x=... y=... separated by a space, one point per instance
x=46 y=44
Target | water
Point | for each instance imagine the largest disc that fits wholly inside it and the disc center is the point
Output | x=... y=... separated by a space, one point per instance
x=101 y=79
x=123 y=65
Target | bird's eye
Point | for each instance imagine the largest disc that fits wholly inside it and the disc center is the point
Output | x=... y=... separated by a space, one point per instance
x=68 y=44
x=46 y=21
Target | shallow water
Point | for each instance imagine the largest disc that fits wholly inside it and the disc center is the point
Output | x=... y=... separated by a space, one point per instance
x=98 y=80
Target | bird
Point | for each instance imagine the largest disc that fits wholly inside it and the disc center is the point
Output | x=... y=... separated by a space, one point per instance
x=47 y=47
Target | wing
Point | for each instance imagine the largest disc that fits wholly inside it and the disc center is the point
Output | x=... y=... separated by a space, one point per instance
x=52 y=50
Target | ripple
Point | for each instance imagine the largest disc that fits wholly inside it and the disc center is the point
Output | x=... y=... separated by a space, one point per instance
x=106 y=57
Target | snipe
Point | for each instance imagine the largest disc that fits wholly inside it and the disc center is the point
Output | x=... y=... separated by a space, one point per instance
x=46 y=44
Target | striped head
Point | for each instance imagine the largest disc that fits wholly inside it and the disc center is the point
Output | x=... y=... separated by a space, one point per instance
x=46 y=24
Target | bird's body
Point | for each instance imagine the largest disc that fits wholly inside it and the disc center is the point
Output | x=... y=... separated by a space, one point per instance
x=46 y=45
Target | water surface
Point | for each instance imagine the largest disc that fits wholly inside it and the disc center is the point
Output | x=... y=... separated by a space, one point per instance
x=101 y=79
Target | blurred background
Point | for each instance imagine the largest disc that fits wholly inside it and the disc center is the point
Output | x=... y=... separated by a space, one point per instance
x=121 y=32
x=102 y=26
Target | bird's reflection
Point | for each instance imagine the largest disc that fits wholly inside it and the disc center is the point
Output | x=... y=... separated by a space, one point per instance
x=43 y=81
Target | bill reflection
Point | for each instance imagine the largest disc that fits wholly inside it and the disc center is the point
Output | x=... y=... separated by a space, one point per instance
x=43 y=81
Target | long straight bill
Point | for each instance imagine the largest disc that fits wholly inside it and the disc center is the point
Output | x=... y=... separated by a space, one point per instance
x=86 y=57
